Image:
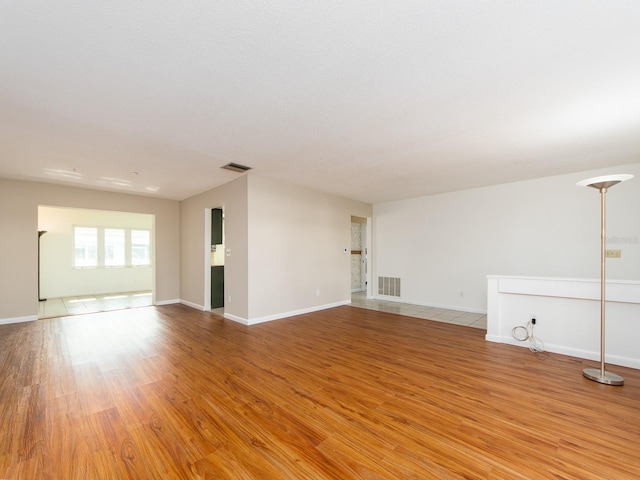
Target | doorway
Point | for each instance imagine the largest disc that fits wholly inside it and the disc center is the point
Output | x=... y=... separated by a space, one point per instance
x=214 y=260
x=360 y=235
x=94 y=260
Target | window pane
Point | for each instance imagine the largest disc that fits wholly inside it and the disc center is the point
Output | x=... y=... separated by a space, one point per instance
x=140 y=247
x=85 y=247
x=114 y=247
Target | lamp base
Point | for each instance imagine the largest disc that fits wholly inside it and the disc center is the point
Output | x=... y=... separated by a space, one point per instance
x=608 y=379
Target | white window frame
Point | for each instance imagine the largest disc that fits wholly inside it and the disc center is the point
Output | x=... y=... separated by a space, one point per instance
x=132 y=246
x=101 y=247
x=85 y=246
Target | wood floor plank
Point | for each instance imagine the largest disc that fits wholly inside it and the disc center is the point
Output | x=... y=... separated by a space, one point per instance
x=172 y=392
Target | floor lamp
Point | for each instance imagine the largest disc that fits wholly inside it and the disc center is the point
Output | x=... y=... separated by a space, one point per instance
x=602 y=184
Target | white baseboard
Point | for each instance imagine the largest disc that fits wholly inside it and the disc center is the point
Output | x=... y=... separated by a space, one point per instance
x=241 y=320
x=28 y=318
x=269 y=318
x=192 y=305
x=168 y=302
x=279 y=316
x=570 y=352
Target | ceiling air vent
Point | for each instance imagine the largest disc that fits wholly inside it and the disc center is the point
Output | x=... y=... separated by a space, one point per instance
x=236 y=167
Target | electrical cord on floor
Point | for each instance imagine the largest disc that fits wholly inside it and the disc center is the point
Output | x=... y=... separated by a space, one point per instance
x=525 y=334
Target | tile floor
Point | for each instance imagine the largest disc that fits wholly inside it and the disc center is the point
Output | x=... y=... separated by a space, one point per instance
x=468 y=319
x=59 y=307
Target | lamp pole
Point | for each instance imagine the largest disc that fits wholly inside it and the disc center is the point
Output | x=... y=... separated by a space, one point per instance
x=602 y=184
x=40 y=233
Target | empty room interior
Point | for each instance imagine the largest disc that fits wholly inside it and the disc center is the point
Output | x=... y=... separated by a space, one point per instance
x=320 y=240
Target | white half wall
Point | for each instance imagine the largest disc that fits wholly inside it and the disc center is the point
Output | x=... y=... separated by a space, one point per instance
x=442 y=247
x=567 y=313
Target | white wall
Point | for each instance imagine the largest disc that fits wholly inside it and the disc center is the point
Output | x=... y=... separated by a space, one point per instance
x=19 y=202
x=297 y=242
x=58 y=278
x=286 y=244
x=444 y=246
x=194 y=256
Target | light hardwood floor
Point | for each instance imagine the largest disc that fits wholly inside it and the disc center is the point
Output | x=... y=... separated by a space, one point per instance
x=172 y=392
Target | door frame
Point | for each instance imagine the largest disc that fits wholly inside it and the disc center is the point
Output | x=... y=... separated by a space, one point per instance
x=207 y=255
x=367 y=253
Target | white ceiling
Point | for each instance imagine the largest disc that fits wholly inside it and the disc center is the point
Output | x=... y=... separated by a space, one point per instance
x=373 y=100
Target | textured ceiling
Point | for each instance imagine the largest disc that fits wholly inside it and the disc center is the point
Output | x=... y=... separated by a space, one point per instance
x=371 y=100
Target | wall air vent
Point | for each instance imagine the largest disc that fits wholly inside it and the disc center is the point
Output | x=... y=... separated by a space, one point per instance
x=236 y=167
x=389 y=286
